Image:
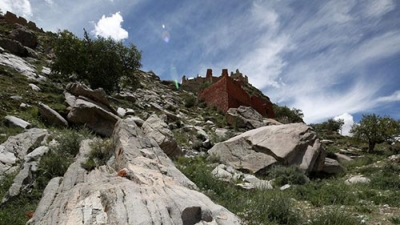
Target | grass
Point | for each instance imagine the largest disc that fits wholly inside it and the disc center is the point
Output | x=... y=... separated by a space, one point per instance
x=102 y=151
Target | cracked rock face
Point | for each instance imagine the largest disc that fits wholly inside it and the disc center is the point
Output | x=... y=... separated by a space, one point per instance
x=142 y=187
x=256 y=150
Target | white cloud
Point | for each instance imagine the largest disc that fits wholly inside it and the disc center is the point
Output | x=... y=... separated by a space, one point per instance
x=348 y=123
x=19 y=7
x=391 y=98
x=111 y=27
x=50 y=2
x=379 y=8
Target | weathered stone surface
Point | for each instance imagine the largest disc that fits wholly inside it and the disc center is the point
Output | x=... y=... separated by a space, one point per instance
x=342 y=158
x=271 y=122
x=256 y=150
x=148 y=189
x=51 y=116
x=332 y=166
x=25 y=177
x=121 y=112
x=157 y=129
x=16 y=147
x=92 y=115
x=245 y=181
x=137 y=120
x=16 y=122
x=20 y=65
x=35 y=87
x=244 y=117
x=25 y=37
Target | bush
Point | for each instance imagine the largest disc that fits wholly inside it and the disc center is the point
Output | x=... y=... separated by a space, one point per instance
x=190 y=101
x=286 y=115
x=101 y=62
x=287 y=175
x=102 y=151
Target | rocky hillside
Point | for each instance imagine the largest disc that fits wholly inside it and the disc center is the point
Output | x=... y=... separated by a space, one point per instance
x=153 y=154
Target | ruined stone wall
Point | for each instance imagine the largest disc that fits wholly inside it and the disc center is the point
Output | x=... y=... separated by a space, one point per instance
x=237 y=96
x=263 y=107
x=14 y=19
x=216 y=95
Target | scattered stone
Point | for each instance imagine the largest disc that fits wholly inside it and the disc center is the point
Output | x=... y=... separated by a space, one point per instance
x=342 y=158
x=130 y=112
x=35 y=88
x=51 y=116
x=46 y=71
x=16 y=97
x=121 y=112
x=17 y=122
x=332 y=166
x=156 y=128
x=327 y=142
x=284 y=187
x=20 y=65
x=256 y=150
x=24 y=106
x=358 y=179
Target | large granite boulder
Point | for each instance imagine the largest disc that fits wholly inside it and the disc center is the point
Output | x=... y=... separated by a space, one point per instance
x=25 y=37
x=13 y=121
x=156 y=128
x=244 y=117
x=148 y=189
x=16 y=148
x=256 y=150
x=13 y=47
x=91 y=108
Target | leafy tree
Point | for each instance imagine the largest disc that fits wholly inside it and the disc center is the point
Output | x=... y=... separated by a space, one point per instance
x=375 y=129
x=286 y=115
x=101 y=62
x=329 y=125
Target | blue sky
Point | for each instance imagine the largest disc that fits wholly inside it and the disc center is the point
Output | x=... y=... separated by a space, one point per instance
x=327 y=58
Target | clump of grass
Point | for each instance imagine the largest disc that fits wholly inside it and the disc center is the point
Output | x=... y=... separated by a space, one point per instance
x=395 y=219
x=334 y=217
x=287 y=175
x=102 y=151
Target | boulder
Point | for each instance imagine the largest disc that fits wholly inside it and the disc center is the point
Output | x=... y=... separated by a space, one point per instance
x=13 y=47
x=98 y=95
x=244 y=117
x=242 y=180
x=51 y=116
x=20 y=65
x=156 y=128
x=93 y=115
x=256 y=150
x=332 y=166
x=17 y=122
x=35 y=87
x=147 y=189
x=25 y=37
x=16 y=147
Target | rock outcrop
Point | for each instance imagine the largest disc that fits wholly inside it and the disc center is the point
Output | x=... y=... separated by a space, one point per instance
x=16 y=148
x=25 y=37
x=51 y=116
x=91 y=108
x=148 y=189
x=157 y=129
x=256 y=150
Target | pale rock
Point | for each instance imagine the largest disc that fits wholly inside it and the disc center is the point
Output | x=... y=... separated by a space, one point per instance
x=342 y=158
x=149 y=190
x=16 y=147
x=17 y=122
x=284 y=187
x=16 y=97
x=332 y=166
x=327 y=142
x=46 y=71
x=139 y=122
x=157 y=129
x=121 y=112
x=51 y=116
x=271 y=122
x=20 y=65
x=130 y=112
x=244 y=117
x=358 y=179
x=24 y=106
x=256 y=150
x=35 y=87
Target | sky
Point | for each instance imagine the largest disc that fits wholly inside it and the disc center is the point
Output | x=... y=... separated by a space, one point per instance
x=330 y=58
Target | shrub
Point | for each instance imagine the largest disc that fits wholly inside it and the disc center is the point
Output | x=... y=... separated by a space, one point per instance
x=190 y=101
x=102 y=151
x=101 y=62
x=287 y=175
x=280 y=210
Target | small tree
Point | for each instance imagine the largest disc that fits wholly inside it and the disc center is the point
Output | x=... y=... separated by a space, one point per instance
x=101 y=62
x=330 y=125
x=286 y=115
x=375 y=129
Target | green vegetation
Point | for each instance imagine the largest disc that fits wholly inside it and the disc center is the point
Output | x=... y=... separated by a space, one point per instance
x=102 y=150
x=375 y=129
x=286 y=115
x=287 y=175
x=101 y=62
x=329 y=126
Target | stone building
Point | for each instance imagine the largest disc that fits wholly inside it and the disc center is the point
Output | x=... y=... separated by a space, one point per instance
x=224 y=92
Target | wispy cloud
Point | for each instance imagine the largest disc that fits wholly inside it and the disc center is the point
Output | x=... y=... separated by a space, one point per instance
x=391 y=98
x=111 y=27
x=19 y=7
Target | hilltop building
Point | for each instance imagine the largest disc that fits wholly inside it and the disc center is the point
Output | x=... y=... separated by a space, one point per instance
x=226 y=92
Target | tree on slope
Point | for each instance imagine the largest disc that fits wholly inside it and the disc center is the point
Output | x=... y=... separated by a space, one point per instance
x=375 y=129
x=101 y=62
